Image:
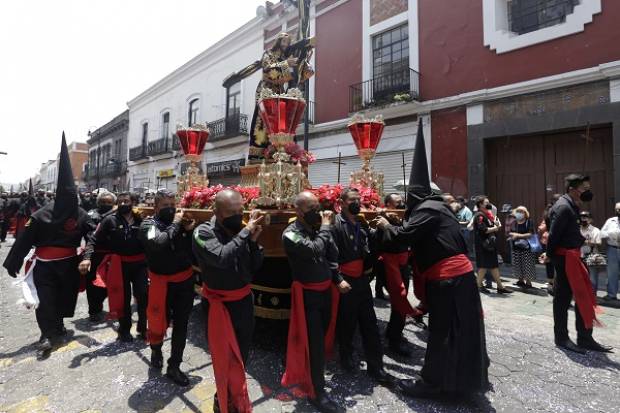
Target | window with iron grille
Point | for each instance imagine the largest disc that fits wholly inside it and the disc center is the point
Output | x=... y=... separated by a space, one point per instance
x=165 y=125
x=525 y=16
x=390 y=60
x=145 y=135
x=192 y=112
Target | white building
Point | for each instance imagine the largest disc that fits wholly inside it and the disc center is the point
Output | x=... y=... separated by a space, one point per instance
x=194 y=94
x=47 y=174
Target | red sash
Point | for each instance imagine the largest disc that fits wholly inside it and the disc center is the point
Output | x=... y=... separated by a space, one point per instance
x=395 y=285
x=353 y=268
x=297 y=371
x=110 y=276
x=225 y=355
x=157 y=322
x=447 y=268
x=579 y=281
x=54 y=253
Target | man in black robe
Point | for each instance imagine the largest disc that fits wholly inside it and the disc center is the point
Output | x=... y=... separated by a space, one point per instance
x=55 y=231
x=456 y=359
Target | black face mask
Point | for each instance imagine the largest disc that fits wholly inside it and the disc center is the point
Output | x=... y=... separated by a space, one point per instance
x=489 y=207
x=400 y=206
x=354 y=208
x=584 y=223
x=233 y=223
x=104 y=208
x=313 y=218
x=124 y=209
x=586 y=196
x=166 y=215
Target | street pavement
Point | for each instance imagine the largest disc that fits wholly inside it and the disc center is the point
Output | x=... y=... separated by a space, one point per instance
x=92 y=372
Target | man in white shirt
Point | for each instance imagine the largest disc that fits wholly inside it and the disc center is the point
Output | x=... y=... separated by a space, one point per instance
x=611 y=233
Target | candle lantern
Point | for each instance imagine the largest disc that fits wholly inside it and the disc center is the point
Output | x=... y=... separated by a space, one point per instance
x=366 y=134
x=192 y=141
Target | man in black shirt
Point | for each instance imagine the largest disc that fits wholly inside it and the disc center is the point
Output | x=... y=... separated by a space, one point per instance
x=229 y=255
x=563 y=248
x=355 y=261
x=167 y=240
x=96 y=295
x=313 y=257
x=124 y=268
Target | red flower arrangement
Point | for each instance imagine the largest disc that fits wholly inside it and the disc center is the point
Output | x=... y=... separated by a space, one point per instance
x=296 y=152
x=330 y=194
x=203 y=197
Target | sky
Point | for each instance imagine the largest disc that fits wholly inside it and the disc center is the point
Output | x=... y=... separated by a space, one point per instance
x=73 y=64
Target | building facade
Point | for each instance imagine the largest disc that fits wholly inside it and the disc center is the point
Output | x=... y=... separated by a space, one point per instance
x=107 y=155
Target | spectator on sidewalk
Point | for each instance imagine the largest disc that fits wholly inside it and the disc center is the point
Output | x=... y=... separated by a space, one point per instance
x=486 y=226
x=543 y=234
x=523 y=258
x=590 y=251
x=611 y=233
x=464 y=215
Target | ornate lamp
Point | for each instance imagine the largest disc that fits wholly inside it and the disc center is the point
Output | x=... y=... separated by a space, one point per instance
x=366 y=134
x=280 y=181
x=192 y=140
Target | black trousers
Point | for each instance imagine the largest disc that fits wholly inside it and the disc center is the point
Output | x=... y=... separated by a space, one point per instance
x=57 y=284
x=562 y=298
x=357 y=308
x=317 y=306
x=179 y=304
x=396 y=325
x=95 y=295
x=135 y=282
x=4 y=229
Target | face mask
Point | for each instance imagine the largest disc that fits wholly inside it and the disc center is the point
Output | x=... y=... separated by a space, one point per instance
x=233 y=223
x=104 y=208
x=354 y=208
x=489 y=207
x=400 y=206
x=312 y=218
x=584 y=223
x=618 y=214
x=124 y=209
x=519 y=216
x=586 y=196
x=166 y=215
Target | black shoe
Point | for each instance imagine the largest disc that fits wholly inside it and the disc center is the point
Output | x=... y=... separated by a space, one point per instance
x=326 y=404
x=379 y=295
x=488 y=284
x=382 y=377
x=400 y=349
x=418 y=389
x=504 y=291
x=142 y=335
x=419 y=322
x=124 y=337
x=484 y=290
x=175 y=374
x=569 y=345
x=520 y=283
x=592 y=345
x=348 y=364
x=96 y=318
x=157 y=358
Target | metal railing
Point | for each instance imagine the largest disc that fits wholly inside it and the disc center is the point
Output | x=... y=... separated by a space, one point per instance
x=111 y=169
x=157 y=147
x=234 y=125
x=139 y=152
x=393 y=87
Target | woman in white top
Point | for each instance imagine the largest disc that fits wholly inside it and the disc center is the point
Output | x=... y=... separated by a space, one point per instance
x=611 y=233
x=590 y=251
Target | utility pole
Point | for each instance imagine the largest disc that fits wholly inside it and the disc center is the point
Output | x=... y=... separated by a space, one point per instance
x=339 y=164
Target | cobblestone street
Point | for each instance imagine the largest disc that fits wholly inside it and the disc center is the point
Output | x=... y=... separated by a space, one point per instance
x=94 y=373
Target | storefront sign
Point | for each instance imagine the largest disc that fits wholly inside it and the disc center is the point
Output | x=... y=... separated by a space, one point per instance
x=225 y=168
x=166 y=173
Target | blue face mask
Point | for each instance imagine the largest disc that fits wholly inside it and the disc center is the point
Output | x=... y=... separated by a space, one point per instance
x=519 y=216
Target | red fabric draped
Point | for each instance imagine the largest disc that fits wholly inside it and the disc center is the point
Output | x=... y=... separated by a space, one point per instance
x=157 y=322
x=109 y=275
x=54 y=253
x=579 y=281
x=297 y=371
x=226 y=357
x=395 y=285
x=447 y=268
x=353 y=268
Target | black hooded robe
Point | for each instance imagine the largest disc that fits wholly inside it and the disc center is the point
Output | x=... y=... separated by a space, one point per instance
x=57 y=282
x=456 y=358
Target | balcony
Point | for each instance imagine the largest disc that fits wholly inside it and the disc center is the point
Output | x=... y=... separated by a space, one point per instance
x=137 y=153
x=158 y=147
x=394 y=87
x=228 y=127
x=111 y=169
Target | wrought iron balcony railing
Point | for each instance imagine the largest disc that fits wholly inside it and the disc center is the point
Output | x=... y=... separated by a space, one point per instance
x=393 y=87
x=234 y=125
x=137 y=153
x=157 y=147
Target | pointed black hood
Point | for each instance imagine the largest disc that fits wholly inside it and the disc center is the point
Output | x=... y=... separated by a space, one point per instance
x=30 y=190
x=66 y=201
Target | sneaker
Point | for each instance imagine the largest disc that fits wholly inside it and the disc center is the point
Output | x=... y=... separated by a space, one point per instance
x=484 y=290
x=504 y=291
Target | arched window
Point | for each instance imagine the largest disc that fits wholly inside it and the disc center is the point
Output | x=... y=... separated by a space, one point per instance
x=192 y=112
